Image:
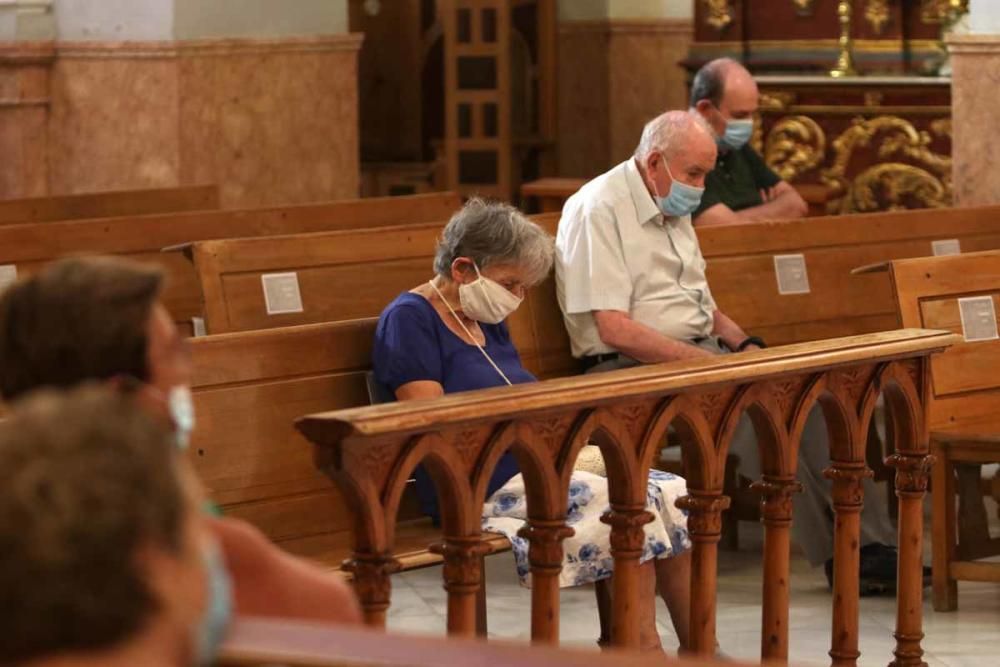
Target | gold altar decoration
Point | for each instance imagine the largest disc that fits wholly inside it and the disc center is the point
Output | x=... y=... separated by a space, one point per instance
x=942 y=11
x=877 y=15
x=794 y=145
x=803 y=7
x=845 y=61
x=720 y=14
x=888 y=185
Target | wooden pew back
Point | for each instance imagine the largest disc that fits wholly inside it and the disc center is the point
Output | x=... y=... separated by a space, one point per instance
x=742 y=275
x=109 y=204
x=354 y=274
x=933 y=293
x=30 y=246
x=351 y=274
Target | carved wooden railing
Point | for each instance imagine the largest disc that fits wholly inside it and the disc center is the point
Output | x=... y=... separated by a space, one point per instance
x=260 y=642
x=372 y=452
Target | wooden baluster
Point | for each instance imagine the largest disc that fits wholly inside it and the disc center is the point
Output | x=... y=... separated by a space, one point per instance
x=546 y=554
x=627 y=541
x=776 y=515
x=463 y=563
x=373 y=584
x=848 y=499
x=912 y=472
x=705 y=528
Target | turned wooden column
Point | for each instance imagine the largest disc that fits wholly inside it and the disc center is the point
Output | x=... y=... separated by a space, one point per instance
x=848 y=499
x=912 y=472
x=463 y=563
x=776 y=515
x=627 y=541
x=373 y=584
x=705 y=528
x=545 y=553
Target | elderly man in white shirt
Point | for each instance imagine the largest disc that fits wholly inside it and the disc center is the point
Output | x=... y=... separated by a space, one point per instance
x=630 y=278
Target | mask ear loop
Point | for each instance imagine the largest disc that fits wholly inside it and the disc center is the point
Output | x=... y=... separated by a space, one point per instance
x=469 y=333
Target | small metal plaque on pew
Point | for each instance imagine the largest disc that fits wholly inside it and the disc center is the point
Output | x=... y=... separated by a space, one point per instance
x=8 y=275
x=281 y=293
x=198 y=326
x=792 y=275
x=979 y=318
x=946 y=247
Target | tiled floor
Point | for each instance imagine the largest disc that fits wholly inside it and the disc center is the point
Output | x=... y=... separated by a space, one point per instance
x=970 y=636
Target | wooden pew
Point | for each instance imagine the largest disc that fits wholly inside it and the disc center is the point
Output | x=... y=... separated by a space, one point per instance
x=258 y=642
x=109 y=204
x=369 y=267
x=370 y=453
x=29 y=246
x=962 y=412
x=742 y=275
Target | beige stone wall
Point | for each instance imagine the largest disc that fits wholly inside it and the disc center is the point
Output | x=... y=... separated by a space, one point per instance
x=975 y=62
x=269 y=121
x=616 y=72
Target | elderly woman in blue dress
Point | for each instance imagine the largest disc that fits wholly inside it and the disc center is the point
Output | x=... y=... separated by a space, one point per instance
x=448 y=335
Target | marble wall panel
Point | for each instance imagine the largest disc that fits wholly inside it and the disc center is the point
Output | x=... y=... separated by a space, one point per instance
x=614 y=75
x=114 y=118
x=24 y=107
x=975 y=83
x=271 y=122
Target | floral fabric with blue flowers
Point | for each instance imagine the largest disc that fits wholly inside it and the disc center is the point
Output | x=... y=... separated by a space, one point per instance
x=587 y=554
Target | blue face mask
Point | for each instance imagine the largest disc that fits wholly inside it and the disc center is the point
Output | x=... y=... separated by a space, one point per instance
x=682 y=199
x=181 y=407
x=218 y=610
x=738 y=133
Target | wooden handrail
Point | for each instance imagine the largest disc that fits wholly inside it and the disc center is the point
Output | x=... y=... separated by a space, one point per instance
x=371 y=452
x=256 y=642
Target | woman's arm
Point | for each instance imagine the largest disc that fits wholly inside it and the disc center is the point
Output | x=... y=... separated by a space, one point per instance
x=412 y=391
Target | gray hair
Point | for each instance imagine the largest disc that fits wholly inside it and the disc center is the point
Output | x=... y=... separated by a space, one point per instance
x=494 y=233
x=668 y=133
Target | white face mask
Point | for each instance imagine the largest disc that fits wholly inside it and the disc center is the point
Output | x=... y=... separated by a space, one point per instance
x=182 y=412
x=486 y=300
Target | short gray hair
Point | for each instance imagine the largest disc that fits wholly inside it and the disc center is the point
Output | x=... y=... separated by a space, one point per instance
x=667 y=133
x=494 y=233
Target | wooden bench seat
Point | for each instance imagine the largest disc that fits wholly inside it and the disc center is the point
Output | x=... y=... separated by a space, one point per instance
x=109 y=204
x=29 y=246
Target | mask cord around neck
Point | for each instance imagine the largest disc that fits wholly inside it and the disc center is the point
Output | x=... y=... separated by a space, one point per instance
x=469 y=333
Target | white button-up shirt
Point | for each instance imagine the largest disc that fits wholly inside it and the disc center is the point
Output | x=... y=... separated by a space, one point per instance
x=616 y=251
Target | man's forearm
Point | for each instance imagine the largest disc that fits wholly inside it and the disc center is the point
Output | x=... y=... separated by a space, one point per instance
x=782 y=207
x=726 y=329
x=643 y=343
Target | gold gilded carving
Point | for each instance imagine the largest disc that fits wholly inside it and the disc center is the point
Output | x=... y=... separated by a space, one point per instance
x=803 y=7
x=794 y=145
x=942 y=11
x=925 y=179
x=877 y=15
x=720 y=14
x=776 y=100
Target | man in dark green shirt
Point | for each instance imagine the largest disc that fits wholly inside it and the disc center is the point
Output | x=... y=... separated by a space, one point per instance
x=741 y=188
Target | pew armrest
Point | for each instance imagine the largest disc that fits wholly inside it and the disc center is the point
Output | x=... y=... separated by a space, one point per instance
x=186 y=248
x=878 y=267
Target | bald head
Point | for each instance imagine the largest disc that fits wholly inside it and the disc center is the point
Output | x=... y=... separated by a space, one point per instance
x=724 y=90
x=671 y=133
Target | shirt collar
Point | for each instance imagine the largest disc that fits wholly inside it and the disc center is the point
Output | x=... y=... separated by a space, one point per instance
x=645 y=208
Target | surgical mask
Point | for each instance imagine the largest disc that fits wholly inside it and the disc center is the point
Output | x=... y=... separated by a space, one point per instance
x=218 y=612
x=486 y=300
x=737 y=134
x=682 y=199
x=181 y=407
